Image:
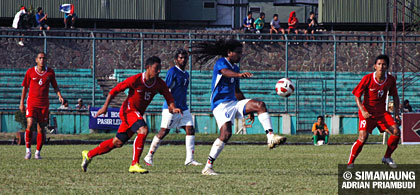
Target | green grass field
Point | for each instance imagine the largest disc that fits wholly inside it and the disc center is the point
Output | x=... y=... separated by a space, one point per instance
x=243 y=169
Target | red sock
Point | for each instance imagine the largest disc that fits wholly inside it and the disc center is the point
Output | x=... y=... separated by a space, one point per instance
x=355 y=150
x=39 y=141
x=138 y=147
x=28 y=138
x=103 y=148
x=392 y=145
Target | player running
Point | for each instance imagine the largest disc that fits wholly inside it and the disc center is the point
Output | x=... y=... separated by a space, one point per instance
x=177 y=80
x=37 y=80
x=375 y=87
x=142 y=88
x=227 y=100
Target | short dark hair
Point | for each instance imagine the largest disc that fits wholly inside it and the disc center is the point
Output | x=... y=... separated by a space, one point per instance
x=262 y=14
x=180 y=51
x=406 y=102
x=39 y=9
x=45 y=55
x=320 y=117
x=65 y=101
x=275 y=15
x=311 y=13
x=152 y=60
x=383 y=57
x=249 y=12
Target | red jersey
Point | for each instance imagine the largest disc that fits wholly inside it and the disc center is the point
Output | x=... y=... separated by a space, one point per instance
x=39 y=85
x=140 y=94
x=375 y=93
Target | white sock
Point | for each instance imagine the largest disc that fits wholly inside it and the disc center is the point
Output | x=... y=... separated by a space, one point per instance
x=265 y=120
x=154 y=146
x=28 y=150
x=37 y=152
x=217 y=147
x=189 y=146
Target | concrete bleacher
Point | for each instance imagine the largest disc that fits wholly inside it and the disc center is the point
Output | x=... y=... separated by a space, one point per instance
x=73 y=84
x=314 y=92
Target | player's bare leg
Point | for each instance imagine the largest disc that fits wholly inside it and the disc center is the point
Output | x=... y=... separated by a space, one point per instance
x=40 y=139
x=105 y=147
x=357 y=148
x=216 y=149
x=138 y=146
x=264 y=118
x=393 y=140
x=28 y=137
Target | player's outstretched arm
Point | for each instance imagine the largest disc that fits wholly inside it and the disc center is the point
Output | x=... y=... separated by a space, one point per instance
x=22 y=99
x=229 y=73
x=362 y=109
x=105 y=106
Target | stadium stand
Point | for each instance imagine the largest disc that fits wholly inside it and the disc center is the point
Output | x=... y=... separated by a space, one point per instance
x=73 y=84
x=314 y=93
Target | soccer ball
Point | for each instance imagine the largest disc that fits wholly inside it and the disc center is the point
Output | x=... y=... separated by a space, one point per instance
x=285 y=87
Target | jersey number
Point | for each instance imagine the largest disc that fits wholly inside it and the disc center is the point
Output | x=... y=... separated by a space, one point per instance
x=185 y=82
x=363 y=124
x=40 y=82
x=147 y=95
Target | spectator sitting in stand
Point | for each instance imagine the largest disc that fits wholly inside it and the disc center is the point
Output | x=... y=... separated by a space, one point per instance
x=275 y=25
x=249 y=23
x=312 y=24
x=64 y=106
x=259 y=24
x=320 y=130
x=293 y=22
x=80 y=105
x=407 y=107
x=40 y=19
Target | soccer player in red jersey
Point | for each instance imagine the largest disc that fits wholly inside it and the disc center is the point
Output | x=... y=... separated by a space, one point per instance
x=142 y=88
x=375 y=87
x=38 y=79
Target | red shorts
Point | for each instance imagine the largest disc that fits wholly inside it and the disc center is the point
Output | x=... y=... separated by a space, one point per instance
x=382 y=122
x=39 y=114
x=128 y=119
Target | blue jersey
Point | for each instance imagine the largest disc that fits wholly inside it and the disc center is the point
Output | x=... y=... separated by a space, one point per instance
x=177 y=81
x=223 y=88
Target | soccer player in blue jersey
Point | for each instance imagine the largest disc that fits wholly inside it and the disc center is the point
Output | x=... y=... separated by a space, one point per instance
x=177 y=80
x=227 y=100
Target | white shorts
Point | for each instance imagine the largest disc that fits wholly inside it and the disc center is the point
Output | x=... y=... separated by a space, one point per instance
x=228 y=111
x=170 y=121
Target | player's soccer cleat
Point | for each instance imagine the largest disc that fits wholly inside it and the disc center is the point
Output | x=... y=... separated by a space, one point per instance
x=208 y=171
x=28 y=155
x=137 y=169
x=275 y=140
x=193 y=163
x=148 y=160
x=86 y=160
x=350 y=166
x=20 y=43
x=389 y=162
x=38 y=156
